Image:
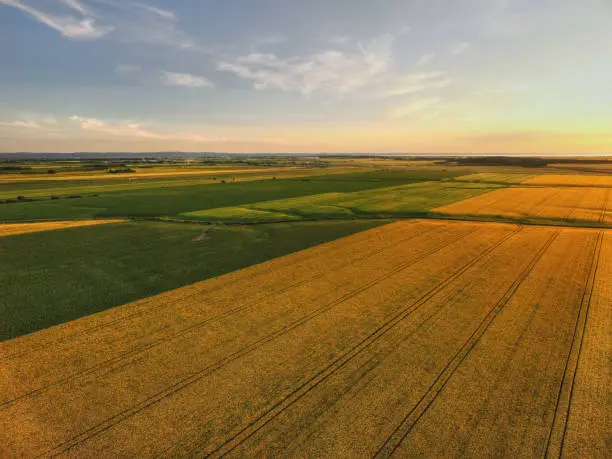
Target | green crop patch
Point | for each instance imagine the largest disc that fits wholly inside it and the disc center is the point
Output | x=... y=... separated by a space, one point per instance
x=56 y=276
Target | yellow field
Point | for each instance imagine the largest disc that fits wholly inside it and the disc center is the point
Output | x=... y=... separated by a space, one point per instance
x=430 y=338
x=572 y=180
x=143 y=174
x=578 y=203
x=12 y=229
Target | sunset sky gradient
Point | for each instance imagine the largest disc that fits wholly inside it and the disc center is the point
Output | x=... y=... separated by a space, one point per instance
x=413 y=76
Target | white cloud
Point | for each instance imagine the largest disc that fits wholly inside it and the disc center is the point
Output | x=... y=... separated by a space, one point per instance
x=69 y=26
x=75 y=5
x=32 y=121
x=459 y=48
x=137 y=130
x=158 y=11
x=21 y=124
x=426 y=59
x=415 y=82
x=187 y=80
x=331 y=70
x=122 y=20
x=415 y=107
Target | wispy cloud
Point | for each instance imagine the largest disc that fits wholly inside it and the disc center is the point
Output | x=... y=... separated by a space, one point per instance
x=415 y=107
x=122 y=20
x=41 y=123
x=21 y=124
x=83 y=26
x=415 y=82
x=331 y=70
x=138 y=130
x=426 y=59
x=459 y=47
x=187 y=80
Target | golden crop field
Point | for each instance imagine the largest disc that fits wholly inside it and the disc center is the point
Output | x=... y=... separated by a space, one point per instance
x=12 y=229
x=411 y=338
x=572 y=180
x=567 y=203
x=142 y=173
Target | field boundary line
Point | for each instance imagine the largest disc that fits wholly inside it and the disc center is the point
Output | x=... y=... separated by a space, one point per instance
x=299 y=392
x=563 y=406
x=196 y=326
x=394 y=440
x=147 y=300
x=198 y=375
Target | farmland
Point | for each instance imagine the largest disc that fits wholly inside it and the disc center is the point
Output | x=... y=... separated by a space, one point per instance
x=410 y=338
x=51 y=277
x=329 y=307
x=13 y=229
x=176 y=198
x=581 y=204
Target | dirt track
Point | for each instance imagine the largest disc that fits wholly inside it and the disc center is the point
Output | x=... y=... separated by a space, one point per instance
x=419 y=337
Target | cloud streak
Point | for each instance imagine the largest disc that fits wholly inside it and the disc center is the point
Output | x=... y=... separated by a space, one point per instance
x=69 y=26
x=137 y=130
x=331 y=71
x=415 y=82
x=124 y=20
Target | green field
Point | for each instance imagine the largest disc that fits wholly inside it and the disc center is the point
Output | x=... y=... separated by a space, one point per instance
x=172 y=200
x=400 y=201
x=51 y=277
x=40 y=188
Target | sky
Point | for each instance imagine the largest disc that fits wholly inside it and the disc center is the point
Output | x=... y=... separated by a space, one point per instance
x=258 y=76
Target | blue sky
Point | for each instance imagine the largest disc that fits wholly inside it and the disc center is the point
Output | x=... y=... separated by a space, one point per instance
x=428 y=76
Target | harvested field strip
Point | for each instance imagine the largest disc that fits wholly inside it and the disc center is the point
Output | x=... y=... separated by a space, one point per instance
x=448 y=321
x=13 y=229
x=150 y=331
x=502 y=399
x=572 y=180
x=489 y=177
x=580 y=205
x=587 y=428
x=556 y=437
x=606 y=212
x=593 y=207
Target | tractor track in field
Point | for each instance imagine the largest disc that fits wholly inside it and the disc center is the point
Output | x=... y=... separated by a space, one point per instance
x=394 y=440
x=196 y=376
x=193 y=327
x=148 y=310
x=558 y=428
x=299 y=392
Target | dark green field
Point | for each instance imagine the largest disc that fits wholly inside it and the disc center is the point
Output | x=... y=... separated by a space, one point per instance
x=51 y=277
x=174 y=200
